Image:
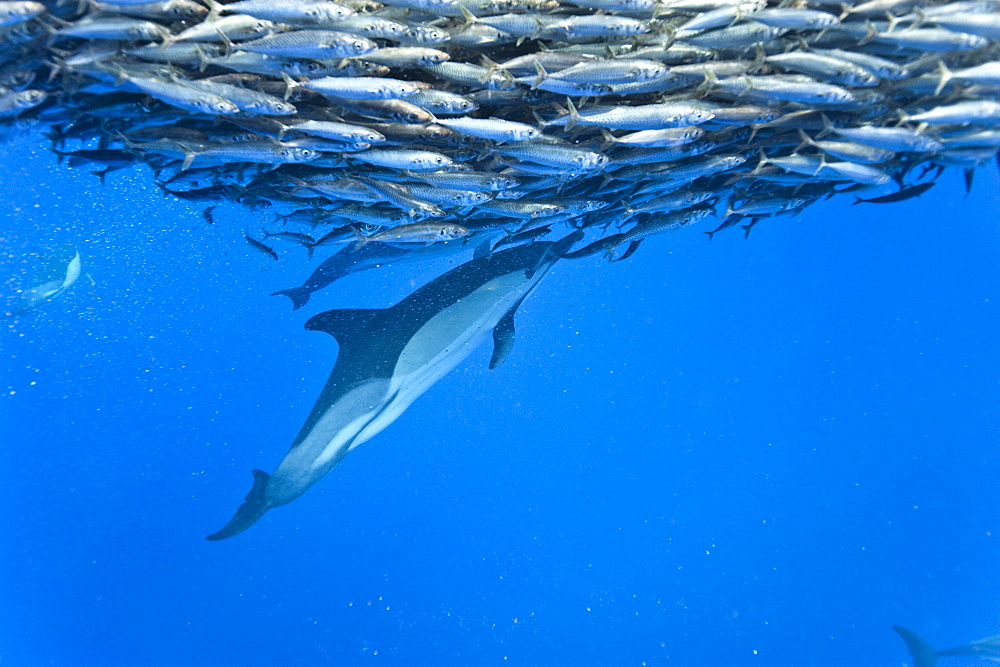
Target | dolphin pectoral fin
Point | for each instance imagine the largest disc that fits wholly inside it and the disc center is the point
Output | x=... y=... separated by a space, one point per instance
x=503 y=338
x=922 y=653
x=253 y=508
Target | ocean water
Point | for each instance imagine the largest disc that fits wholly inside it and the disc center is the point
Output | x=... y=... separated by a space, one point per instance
x=730 y=452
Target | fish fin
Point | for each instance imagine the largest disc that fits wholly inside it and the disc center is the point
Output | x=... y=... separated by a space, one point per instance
x=608 y=138
x=101 y=173
x=632 y=247
x=344 y=324
x=226 y=42
x=189 y=157
x=922 y=653
x=467 y=16
x=872 y=33
x=298 y=295
x=503 y=338
x=542 y=75
x=214 y=10
x=945 y=75
x=202 y=58
x=290 y=85
x=482 y=250
x=362 y=239
x=710 y=81
x=828 y=126
x=247 y=514
x=761 y=162
x=574 y=115
x=806 y=141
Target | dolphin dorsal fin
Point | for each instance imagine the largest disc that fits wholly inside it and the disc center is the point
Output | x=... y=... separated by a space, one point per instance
x=344 y=324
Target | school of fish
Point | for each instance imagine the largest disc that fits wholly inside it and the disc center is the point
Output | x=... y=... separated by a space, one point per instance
x=410 y=123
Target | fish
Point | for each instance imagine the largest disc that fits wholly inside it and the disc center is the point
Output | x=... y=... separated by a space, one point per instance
x=311 y=12
x=925 y=656
x=901 y=195
x=370 y=256
x=13 y=12
x=319 y=44
x=58 y=270
x=260 y=247
x=454 y=109
x=417 y=232
x=388 y=357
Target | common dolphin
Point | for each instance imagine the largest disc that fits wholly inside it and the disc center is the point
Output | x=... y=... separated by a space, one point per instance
x=389 y=357
x=59 y=269
x=925 y=656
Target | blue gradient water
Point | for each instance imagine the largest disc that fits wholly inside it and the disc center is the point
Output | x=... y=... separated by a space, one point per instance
x=761 y=452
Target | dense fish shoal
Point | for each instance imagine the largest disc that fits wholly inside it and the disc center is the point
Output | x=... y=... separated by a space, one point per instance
x=415 y=122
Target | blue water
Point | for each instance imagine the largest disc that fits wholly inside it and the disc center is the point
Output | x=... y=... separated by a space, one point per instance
x=760 y=452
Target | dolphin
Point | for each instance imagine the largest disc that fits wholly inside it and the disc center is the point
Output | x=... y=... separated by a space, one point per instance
x=58 y=271
x=389 y=357
x=349 y=260
x=925 y=656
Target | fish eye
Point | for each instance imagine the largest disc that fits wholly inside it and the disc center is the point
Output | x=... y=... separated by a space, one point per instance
x=359 y=46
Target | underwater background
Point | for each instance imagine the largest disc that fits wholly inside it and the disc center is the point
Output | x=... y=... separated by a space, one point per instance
x=738 y=452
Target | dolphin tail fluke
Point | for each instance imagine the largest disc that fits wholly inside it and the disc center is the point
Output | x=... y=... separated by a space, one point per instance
x=298 y=295
x=253 y=508
x=922 y=653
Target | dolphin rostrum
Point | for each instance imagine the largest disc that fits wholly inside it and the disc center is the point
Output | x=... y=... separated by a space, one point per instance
x=389 y=357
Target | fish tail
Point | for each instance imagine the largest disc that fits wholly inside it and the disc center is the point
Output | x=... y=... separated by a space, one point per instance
x=252 y=509
x=922 y=653
x=361 y=238
x=298 y=295
x=214 y=10
x=944 y=76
